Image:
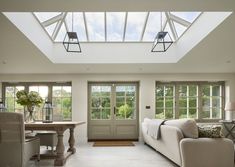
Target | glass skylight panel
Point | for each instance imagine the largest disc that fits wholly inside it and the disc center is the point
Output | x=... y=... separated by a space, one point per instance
x=135 y=24
x=78 y=25
x=61 y=34
x=115 y=22
x=43 y=16
x=167 y=28
x=51 y=28
x=95 y=26
x=188 y=16
x=152 y=27
x=179 y=28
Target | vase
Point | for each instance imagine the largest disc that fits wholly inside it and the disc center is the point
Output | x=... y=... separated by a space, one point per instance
x=29 y=116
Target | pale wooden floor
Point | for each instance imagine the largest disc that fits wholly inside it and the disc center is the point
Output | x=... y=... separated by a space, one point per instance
x=88 y=156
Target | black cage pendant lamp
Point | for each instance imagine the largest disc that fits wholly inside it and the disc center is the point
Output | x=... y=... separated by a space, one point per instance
x=162 y=41
x=71 y=42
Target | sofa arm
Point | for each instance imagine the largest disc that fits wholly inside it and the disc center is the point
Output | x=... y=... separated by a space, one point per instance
x=207 y=152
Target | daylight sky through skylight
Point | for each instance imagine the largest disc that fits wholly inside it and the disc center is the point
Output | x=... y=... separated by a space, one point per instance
x=115 y=26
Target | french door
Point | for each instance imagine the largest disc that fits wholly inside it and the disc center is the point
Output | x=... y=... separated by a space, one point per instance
x=113 y=111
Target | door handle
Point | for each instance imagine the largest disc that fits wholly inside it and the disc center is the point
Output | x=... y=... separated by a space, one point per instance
x=114 y=110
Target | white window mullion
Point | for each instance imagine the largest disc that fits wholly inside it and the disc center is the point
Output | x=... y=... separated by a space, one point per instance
x=211 y=106
x=187 y=101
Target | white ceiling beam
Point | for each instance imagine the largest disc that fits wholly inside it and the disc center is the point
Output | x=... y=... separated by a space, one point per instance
x=85 y=24
x=124 y=31
x=105 y=27
x=179 y=20
x=58 y=26
x=144 y=27
x=52 y=20
x=172 y=27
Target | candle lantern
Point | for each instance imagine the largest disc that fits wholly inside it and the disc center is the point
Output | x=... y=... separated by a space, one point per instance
x=47 y=113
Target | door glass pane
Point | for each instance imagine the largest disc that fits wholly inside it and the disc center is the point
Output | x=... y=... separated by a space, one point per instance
x=125 y=102
x=100 y=102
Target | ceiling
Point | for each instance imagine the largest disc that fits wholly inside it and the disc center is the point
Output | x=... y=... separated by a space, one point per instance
x=214 y=54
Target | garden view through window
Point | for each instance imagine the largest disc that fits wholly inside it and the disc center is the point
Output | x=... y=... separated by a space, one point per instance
x=198 y=100
x=58 y=93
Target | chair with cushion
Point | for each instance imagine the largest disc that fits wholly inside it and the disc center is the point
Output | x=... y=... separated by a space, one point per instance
x=15 y=150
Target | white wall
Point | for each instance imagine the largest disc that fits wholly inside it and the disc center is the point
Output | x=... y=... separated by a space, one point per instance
x=147 y=88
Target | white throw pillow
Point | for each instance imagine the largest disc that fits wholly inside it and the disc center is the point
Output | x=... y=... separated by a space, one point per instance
x=187 y=126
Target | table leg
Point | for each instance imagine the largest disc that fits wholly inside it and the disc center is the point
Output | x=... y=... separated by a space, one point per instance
x=71 y=141
x=60 y=158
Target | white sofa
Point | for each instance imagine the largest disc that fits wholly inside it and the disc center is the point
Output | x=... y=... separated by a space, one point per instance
x=191 y=152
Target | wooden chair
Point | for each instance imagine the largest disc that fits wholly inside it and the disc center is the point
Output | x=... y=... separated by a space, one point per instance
x=15 y=150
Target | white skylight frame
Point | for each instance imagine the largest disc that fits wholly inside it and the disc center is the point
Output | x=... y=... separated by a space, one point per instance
x=170 y=18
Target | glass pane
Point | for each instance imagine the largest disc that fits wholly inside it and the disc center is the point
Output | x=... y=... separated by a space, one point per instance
x=205 y=102
x=167 y=28
x=130 y=101
x=160 y=113
x=153 y=26
x=192 y=102
x=216 y=102
x=95 y=114
x=56 y=91
x=183 y=102
x=192 y=90
x=183 y=113
x=115 y=25
x=100 y=90
x=120 y=101
x=66 y=91
x=95 y=26
x=105 y=114
x=188 y=16
x=193 y=113
x=160 y=90
x=182 y=90
x=216 y=113
x=180 y=29
x=10 y=91
x=169 y=90
x=160 y=102
x=135 y=24
x=67 y=108
x=169 y=102
x=57 y=106
x=105 y=102
x=125 y=112
x=78 y=25
x=51 y=28
x=205 y=112
x=206 y=90
x=61 y=34
x=43 y=16
x=216 y=90
x=169 y=113
x=10 y=104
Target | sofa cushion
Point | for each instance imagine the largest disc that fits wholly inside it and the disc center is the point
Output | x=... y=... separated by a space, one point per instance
x=211 y=131
x=187 y=126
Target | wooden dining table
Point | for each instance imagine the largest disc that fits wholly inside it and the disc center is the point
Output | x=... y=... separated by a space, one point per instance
x=59 y=128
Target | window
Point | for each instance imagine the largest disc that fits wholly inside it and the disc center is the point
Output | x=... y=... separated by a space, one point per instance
x=198 y=100
x=58 y=93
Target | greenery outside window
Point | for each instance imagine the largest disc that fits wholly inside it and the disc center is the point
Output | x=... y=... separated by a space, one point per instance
x=199 y=100
x=58 y=93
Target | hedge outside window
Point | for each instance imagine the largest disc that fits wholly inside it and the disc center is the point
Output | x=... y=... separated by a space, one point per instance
x=199 y=100
x=59 y=93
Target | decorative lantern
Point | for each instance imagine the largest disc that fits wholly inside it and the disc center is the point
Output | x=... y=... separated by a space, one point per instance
x=2 y=107
x=47 y=113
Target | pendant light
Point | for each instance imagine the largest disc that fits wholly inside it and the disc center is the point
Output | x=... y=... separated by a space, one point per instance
x=162 y=41
x=71 y=42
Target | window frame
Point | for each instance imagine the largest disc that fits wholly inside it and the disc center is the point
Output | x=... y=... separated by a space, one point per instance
x=199 y=85
x=28 y=84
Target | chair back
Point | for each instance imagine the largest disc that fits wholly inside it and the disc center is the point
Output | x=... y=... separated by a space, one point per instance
x=12 y=138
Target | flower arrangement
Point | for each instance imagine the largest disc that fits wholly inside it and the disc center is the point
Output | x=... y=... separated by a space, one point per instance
x=29 y=100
